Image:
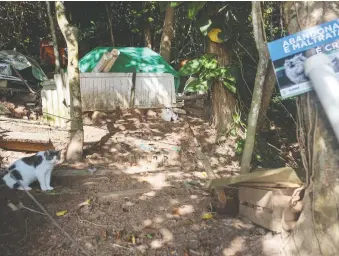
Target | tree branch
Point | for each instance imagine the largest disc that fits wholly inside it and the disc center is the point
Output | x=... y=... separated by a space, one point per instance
x=258 y=87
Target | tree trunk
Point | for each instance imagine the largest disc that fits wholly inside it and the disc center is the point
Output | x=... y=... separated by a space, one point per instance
x=18 y=35
x=109 y=17
x=148 y=36
x=267 y=95
x=167 y=34
x=75 y=146
x=317 y=230
x=223 y=101
x=147 y=30
x=54 y=38
x=258 y=87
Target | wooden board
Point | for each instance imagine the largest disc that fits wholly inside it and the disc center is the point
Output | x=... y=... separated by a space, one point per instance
x=32 y=142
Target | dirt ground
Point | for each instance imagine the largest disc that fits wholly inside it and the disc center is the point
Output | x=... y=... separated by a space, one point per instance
x=136 y=151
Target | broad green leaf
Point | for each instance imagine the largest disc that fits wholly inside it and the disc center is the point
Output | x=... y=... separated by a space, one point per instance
x=190 y=68
x=163 y=5
x=194 y=8
x=197 y=85
x=208 y=55
x=175 y=4
x=204 y=23
x=229 y=86
x=208 y=74
x=205 y=27
x=210 y=64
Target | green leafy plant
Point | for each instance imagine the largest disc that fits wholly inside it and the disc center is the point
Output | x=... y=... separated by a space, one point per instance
x=207 y=69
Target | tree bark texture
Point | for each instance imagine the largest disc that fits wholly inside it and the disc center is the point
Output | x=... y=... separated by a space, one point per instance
x=317 y=230
x=258 y=87
x=54 y=38
x=18 y=34
x=148 y=36
x=147 y=30
x=223 y=101
x=167 y=34
x=75 y=146
x=109 y=17
x=268 y=90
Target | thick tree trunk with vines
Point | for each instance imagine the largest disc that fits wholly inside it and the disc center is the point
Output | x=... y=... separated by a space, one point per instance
x=223 y=101
x=258 y=87
x=75 y=146
x=317 y=230
x=54 y=38
x=167 y=34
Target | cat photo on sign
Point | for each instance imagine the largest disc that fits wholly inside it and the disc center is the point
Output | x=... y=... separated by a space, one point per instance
x=294 y=69
x=28 y=169
x=290 y=70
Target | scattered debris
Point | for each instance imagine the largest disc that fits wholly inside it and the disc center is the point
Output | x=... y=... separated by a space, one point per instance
x=92 y=169
x=61 y=213
x=207 y=216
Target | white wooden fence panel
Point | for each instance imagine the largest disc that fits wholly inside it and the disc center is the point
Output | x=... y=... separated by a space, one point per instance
x=154 y=90
x=105 y=92
x=55 y=112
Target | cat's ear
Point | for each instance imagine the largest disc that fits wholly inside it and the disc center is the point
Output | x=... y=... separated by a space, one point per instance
x=47 y=153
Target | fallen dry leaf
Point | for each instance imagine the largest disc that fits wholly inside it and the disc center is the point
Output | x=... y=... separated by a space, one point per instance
x=103 y=234
x=87 y=202
x=61 y=213
x=176 y=212
x=207 y=216
x=133 y=239
x=12 y=206
x=117 y=235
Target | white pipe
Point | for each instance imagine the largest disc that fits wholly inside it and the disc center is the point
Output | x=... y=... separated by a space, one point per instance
x=320 y=71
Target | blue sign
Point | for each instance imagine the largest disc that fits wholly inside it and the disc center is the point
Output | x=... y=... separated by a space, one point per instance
x=288 y=56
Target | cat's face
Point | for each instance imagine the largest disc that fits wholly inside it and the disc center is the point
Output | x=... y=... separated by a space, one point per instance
x=52 y=156
x=296 y=64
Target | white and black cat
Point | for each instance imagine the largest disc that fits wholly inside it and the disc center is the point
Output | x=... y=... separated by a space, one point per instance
x=294 y=69
x=168 y=115
x=29 y=169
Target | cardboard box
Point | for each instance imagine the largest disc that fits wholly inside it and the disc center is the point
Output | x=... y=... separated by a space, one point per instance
x=264 y=206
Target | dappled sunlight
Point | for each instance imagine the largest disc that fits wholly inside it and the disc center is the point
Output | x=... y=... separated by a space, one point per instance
x=236 y=246
x=147 y=192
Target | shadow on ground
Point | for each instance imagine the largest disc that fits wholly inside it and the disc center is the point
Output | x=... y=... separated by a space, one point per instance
x=141 y=151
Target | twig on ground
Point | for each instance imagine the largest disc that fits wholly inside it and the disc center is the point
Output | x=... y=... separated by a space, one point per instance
x=64 y=232
x=120 y=246
x=29 y=209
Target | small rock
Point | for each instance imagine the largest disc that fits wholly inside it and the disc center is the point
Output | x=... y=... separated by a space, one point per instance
x=156 y=244
x=89 y=246
x=167 y=235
